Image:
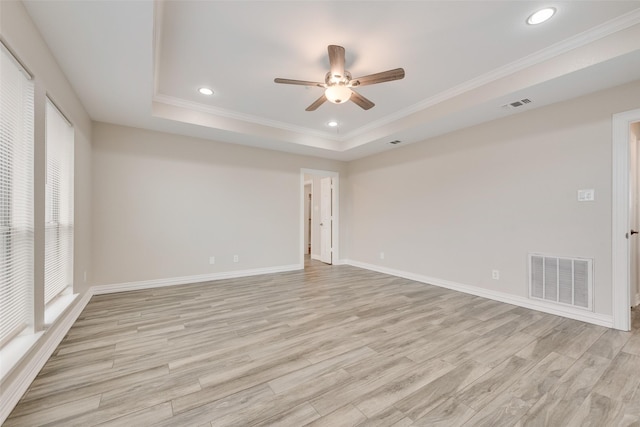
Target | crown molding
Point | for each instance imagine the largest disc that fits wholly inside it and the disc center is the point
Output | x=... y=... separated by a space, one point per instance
x=593 y=34
x=579 y=40
x=229 y=114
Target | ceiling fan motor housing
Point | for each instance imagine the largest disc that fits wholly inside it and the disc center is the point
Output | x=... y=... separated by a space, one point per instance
x=332 y=80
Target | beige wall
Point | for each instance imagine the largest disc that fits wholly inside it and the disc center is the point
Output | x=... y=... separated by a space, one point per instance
x=164 y=204
x=458 y=206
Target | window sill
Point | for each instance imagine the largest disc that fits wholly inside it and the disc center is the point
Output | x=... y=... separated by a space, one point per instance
x=56 y=307
x=15 y=351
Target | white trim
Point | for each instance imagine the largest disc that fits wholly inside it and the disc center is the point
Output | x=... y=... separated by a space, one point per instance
x=172 y=281
x=584 y=316
x=306 y=250
x=637 y=302
x=247 y=118
x=315 y=257
x=12 y=394
x=620 y=225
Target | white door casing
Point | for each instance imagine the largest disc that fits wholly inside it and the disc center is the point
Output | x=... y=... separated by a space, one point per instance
x=326 y=219
x=633 y=216
x=621 y=221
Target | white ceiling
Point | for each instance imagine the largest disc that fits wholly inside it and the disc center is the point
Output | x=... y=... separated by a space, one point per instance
x=140 y=63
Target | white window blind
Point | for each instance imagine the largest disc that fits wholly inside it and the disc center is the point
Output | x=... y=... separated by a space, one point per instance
x=58 y=255
x=16 y=197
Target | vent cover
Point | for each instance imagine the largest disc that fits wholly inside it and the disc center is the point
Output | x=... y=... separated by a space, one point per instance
x=516 y=104
x=566 y=281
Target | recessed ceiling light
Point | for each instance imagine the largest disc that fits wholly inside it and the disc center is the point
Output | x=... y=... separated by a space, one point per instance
x=332 y=123
x=541 y=16
x=205 y=91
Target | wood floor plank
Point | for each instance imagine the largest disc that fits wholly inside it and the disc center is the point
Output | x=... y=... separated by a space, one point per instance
x=494 y=383
x=347 y=416
x=419 y=403
x=621 y=380
x=448 y=413
x=398 y=388
x=330 y=345
x=299 y=416
x=144 y=417
x=509 y=407
x=609 y=343
x=563 y=400
x=597 y=411
x=633 y=345
x=55 y=414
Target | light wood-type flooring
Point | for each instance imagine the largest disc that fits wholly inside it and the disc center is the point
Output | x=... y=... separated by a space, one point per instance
x=331 y=346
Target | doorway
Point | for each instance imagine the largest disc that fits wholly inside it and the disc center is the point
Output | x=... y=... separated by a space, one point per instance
x=625 y=245
x=319 y=216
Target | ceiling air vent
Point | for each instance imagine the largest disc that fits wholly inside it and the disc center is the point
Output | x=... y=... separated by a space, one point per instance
x=397 y=141
x=516 y=104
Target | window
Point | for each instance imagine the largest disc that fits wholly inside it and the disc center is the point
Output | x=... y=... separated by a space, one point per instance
x=58 y=253
x=16 y=197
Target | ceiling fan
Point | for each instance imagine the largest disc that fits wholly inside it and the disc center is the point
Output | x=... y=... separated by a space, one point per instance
x=339 y=84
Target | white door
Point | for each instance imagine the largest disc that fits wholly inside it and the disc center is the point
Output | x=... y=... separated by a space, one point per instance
x=326 y=220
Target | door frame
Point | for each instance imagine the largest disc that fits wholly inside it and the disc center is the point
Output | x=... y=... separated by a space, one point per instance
x=620 y=219
x=307 y=249
x=326 y=219
x=335 y=198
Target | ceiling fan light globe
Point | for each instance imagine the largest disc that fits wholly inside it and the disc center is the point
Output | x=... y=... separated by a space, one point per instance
x=338 y=94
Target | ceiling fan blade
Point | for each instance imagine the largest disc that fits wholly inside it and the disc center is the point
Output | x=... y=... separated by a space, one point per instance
x=385 y=76
x=336 y=60
x=361 y=101
x=318 y=102
x=298 y=82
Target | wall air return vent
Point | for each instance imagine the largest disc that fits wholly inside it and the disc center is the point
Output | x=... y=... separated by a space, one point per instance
x=516 y=104
x=566 y=281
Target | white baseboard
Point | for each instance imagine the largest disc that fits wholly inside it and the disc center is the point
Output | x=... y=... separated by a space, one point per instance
x=159 y=283
x=584 y=316
x=316 y=257
x=13 y=392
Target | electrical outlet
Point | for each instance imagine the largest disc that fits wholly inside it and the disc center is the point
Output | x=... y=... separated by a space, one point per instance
x=212 y=260
x=495 y=274
x=381 y=255
x=235 y=258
